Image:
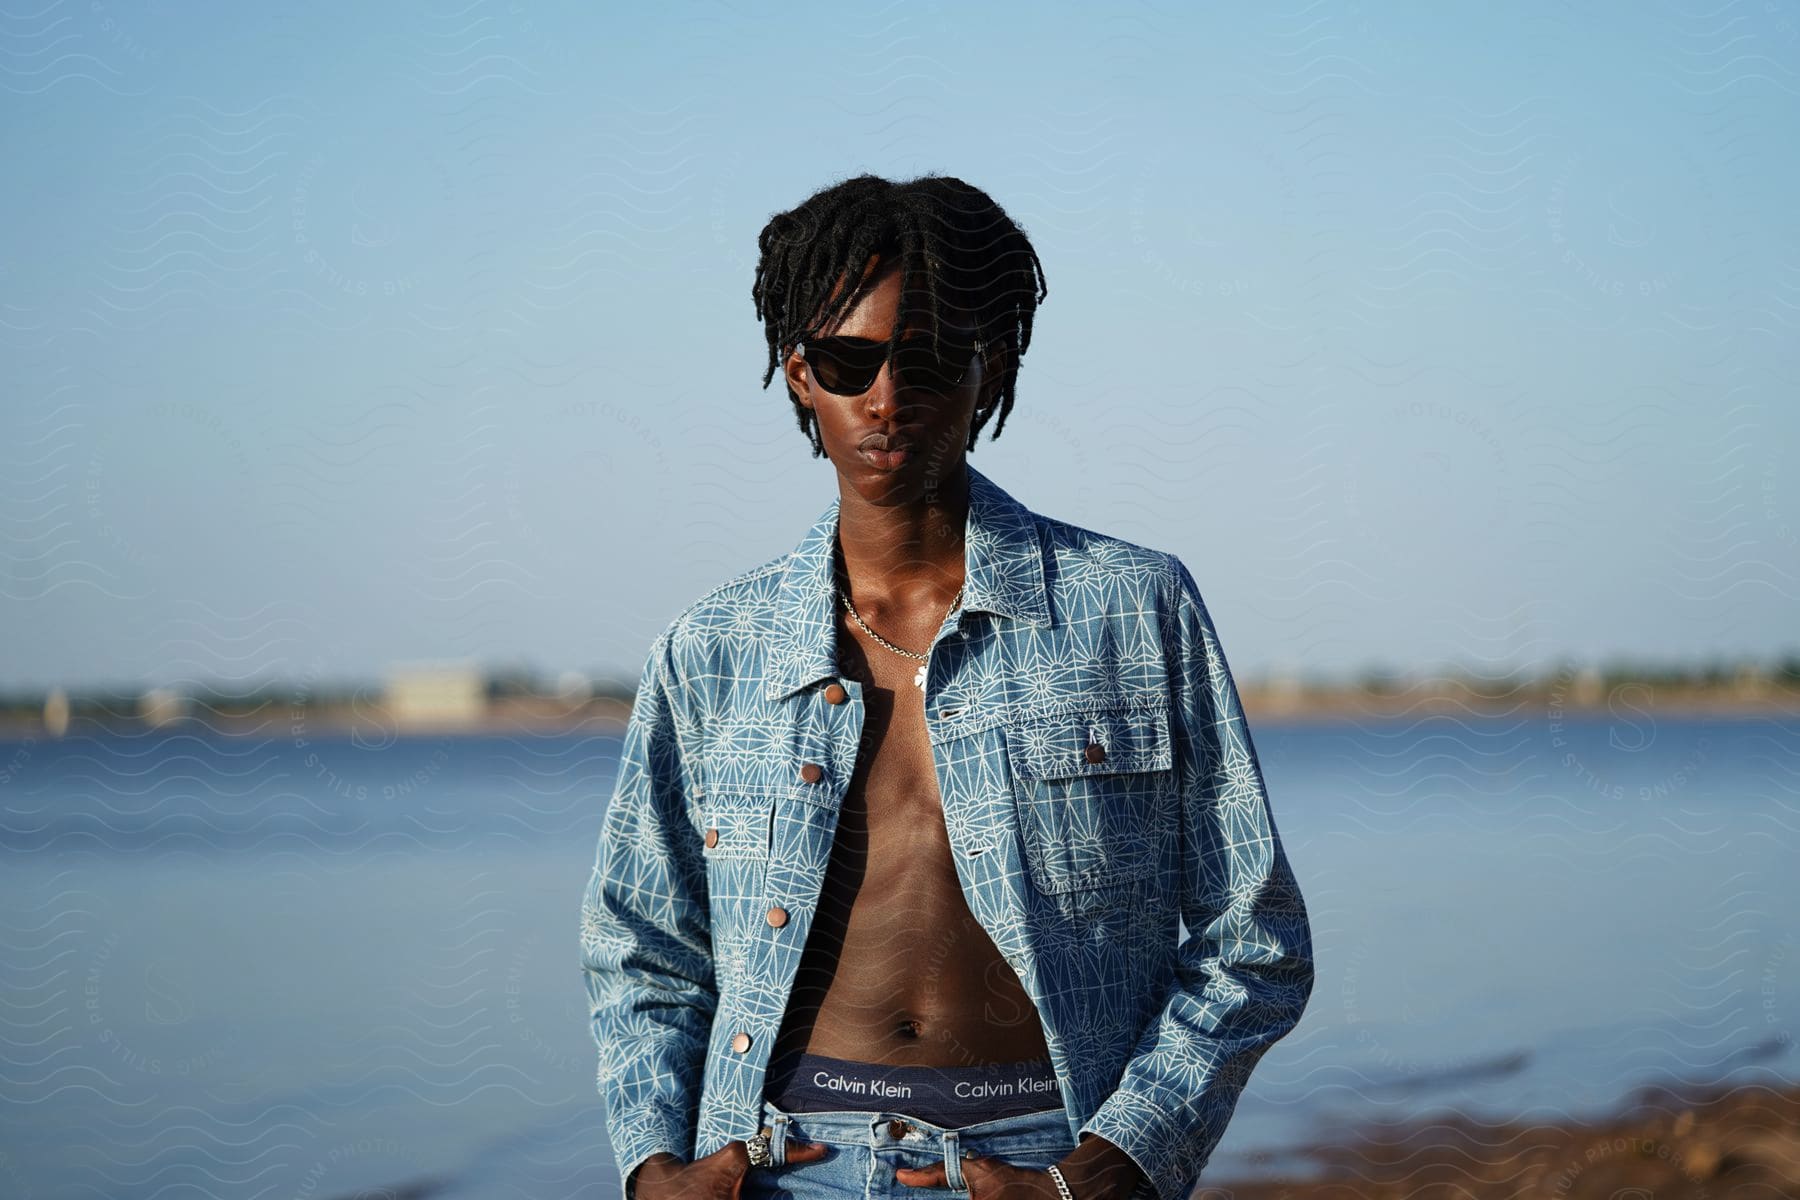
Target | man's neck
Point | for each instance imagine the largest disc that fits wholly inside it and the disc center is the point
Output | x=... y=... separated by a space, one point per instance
x=899 y=555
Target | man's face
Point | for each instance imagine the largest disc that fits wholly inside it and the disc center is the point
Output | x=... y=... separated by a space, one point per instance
x=929 y=429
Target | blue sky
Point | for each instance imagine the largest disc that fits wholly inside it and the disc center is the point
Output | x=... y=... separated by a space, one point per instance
x=341 y=335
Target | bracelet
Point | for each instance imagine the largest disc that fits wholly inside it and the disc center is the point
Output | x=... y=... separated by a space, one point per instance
x=1062 y=1185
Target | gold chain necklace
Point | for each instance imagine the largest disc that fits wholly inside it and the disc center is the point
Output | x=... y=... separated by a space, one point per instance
x=923 y=659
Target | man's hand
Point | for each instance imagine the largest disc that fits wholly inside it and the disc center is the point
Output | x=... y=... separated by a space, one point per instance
x=987 y=1178
x=718 y=1176
x=1095 y=1170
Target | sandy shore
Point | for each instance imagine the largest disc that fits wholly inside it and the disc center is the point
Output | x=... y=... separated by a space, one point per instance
x=1742 y=1142
x=608 y=716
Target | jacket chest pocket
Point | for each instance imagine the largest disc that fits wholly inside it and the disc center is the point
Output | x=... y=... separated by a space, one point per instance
x=1094 y=791
x=738 y=834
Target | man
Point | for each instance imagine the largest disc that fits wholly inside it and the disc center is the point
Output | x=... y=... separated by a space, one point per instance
x=908 y=819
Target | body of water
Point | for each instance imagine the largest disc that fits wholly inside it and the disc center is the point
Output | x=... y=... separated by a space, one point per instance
x=311 y=965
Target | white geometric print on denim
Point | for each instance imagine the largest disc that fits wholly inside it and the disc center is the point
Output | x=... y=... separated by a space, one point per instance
x=1078 y=862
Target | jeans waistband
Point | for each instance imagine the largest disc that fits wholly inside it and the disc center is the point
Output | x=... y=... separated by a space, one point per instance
x=871 y=1143
x=947 y=1097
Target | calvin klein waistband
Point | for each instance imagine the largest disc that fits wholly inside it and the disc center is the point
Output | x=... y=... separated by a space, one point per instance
x=951 y=1097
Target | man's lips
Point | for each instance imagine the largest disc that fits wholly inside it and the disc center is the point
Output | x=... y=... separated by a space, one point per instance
x=886 y=451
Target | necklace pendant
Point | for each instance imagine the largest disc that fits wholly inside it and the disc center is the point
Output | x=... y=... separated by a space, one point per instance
x=919 y=677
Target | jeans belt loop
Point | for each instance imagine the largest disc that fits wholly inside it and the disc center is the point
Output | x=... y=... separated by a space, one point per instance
x=953 y=1176
x=778 y=1139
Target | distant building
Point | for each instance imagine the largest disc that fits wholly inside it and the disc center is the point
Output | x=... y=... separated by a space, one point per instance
x=435 y=695
x=1751 y=681
x=159 y=706
x=56 y=712
x=1590 y=686
x=574 y=685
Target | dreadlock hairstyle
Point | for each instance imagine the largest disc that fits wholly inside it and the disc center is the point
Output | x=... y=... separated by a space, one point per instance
x=972 y=256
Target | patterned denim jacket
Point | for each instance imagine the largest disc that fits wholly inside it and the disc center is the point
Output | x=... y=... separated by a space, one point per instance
x=1082 y=864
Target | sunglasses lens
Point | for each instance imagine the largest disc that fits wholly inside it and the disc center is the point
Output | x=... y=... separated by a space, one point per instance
x=844 y=367
x=848 y=366
x=920 y=366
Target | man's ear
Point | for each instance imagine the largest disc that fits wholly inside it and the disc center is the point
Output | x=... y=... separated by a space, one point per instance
x=793 y=369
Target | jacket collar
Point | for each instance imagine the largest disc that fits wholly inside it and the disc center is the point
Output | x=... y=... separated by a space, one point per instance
x=1003 y=564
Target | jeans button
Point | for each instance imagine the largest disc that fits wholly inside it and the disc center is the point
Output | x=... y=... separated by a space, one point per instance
x=897 y=1128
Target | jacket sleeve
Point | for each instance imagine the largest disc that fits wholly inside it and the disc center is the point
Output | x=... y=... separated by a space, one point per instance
x=1245 y=970
x=646 y=937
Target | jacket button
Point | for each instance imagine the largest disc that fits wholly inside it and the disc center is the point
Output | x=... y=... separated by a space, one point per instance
x=812 y=772
x=835 y=694
x=1095 y=753
x=778 y=916
x=712 y=837
x=740 y=1041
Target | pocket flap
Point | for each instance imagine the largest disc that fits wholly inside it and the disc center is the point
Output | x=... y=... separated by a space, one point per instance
x=1055 y=746
x=737 y=825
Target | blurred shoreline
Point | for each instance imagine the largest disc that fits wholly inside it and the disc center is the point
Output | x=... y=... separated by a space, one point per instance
x=1671 y=1143
x=460 y=700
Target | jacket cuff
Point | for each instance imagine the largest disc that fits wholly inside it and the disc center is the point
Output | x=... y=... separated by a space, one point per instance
x=1164 y=1137
x=648 y=1131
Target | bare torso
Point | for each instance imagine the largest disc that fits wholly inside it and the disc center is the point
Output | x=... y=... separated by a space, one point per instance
x=896 y=969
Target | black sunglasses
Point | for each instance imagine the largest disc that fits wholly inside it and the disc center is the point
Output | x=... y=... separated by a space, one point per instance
x=847 y=366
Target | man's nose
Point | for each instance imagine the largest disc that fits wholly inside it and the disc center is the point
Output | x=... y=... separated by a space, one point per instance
x=891 y=396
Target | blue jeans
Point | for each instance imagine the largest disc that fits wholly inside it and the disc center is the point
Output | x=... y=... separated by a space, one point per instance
x=865 y=1147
